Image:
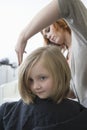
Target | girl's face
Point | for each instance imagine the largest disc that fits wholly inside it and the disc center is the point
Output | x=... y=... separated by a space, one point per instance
x=53 y=35
x=41 y=81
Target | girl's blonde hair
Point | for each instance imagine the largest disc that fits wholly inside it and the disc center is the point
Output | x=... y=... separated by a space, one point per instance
x=55 y=63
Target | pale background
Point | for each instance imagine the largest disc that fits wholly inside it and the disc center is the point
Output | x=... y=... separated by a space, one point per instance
x=14 y=15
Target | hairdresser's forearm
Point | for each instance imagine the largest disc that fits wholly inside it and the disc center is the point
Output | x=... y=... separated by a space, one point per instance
x=45 y=17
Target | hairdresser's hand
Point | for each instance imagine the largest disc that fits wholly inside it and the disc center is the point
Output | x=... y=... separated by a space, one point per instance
x=20 y=48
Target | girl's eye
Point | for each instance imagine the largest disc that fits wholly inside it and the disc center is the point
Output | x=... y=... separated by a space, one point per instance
x=42 y=78
x=30 y=80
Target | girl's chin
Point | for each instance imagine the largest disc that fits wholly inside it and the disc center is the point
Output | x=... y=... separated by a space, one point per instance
x=42 y=96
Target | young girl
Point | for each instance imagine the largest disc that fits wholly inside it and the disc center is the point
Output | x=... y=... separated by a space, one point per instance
x=44 y=79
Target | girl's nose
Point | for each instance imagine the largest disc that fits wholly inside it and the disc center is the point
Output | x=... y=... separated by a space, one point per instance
x=36 y=86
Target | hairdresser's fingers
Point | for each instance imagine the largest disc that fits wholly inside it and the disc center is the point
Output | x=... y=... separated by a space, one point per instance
x=20 y=50
x=20 y=57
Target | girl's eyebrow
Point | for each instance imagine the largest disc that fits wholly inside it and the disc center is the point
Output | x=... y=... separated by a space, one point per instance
x=38 y=75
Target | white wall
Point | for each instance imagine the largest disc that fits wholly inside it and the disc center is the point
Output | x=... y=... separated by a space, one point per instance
x=85 y=2
x=7 y=74
x=14 y=15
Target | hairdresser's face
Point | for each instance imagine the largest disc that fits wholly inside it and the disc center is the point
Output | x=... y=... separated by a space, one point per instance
x=55 y=36
x=41 y=81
